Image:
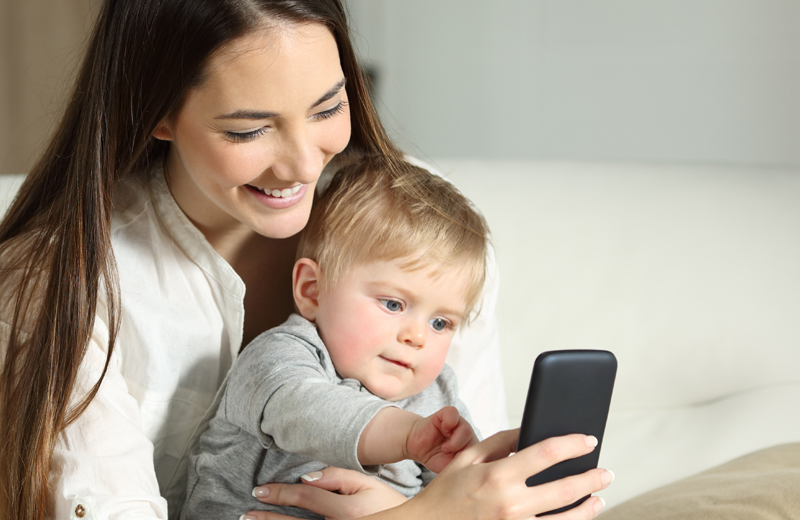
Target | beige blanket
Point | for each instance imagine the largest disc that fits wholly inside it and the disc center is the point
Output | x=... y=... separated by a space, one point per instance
x=764 y=485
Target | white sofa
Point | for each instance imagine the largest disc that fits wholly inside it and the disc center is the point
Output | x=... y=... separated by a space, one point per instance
x=690 y=274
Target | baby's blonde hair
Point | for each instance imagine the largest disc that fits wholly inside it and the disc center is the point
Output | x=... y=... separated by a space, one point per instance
x=371 y=212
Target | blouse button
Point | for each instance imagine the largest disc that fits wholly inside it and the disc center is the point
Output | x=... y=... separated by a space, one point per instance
x=80 y=511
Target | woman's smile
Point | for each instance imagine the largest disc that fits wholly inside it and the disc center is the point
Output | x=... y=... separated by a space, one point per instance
x=278 y=199
x=285 y=192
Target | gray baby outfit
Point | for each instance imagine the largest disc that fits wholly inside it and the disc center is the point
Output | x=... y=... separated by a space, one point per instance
x=286 y=412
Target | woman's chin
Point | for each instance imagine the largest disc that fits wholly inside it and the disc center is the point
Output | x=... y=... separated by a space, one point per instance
x=282 y=227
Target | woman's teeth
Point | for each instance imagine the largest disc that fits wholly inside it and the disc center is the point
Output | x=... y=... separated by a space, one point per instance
x=280 y=193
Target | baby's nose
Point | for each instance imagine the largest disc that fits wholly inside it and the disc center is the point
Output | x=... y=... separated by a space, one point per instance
x=413 y=335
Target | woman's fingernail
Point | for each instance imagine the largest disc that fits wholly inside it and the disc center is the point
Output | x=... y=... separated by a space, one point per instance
x=607 y=477
x=261 y=492
x=247 y=517
x=311 y=477
x=599 y=505
x=591 y=441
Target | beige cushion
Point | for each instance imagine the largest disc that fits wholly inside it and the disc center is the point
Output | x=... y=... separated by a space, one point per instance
x=759 y=486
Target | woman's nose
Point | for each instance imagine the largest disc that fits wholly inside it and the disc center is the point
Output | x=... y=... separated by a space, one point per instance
x=298 y=159
x=413 y=334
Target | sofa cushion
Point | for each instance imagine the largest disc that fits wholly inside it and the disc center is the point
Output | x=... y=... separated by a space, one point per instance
x=9 y=185
x=760 y=486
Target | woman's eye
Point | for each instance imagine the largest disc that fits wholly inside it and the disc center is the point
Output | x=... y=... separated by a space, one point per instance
x=392 y=305
x=335 y=111
x=243 y=137
x=438 y=324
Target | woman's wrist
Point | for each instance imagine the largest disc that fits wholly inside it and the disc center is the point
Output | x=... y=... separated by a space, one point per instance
x=411 y=508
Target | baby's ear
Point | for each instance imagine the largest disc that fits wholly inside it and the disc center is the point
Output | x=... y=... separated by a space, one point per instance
x=305 y=286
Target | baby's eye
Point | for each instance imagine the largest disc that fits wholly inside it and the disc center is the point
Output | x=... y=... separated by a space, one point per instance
x=438 y=324
x=392 y=305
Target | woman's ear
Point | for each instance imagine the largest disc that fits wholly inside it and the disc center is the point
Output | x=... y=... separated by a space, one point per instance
x=305 y=286
x=163 y=130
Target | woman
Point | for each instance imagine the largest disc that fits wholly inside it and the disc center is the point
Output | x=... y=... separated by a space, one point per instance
x=192 y=145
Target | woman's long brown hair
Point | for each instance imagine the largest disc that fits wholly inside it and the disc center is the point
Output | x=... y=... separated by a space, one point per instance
x=55 y=247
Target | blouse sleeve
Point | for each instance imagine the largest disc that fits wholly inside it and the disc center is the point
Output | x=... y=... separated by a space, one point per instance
x=102 y=466
x=475 y=357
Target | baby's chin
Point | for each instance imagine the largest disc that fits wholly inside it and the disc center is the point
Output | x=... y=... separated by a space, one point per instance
x=393 y=394
x=391 y=397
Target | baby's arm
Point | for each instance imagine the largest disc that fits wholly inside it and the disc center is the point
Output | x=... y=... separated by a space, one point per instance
x=394 y=435
x=281 y=393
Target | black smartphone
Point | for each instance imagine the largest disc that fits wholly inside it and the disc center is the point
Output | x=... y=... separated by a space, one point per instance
x=570 y=392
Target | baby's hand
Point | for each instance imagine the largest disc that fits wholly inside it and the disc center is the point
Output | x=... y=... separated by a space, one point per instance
x=434 y=441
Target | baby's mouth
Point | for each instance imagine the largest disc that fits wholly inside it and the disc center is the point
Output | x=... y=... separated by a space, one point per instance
x=396 y=362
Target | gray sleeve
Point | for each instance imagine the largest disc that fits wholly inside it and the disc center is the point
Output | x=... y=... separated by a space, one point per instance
x=426 y=476
x=280 y=392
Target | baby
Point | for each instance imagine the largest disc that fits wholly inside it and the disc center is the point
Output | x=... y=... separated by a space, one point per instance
x=389 y=266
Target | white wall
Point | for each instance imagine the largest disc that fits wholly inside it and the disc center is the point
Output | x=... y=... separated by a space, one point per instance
x=630 y=80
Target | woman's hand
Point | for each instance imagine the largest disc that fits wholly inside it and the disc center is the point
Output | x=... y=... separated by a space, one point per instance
x=481 y=482
x=484 y=482
x=336 y=494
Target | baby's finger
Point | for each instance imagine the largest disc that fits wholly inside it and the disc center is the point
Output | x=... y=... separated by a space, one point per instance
x=461 y=438
x=450 y=418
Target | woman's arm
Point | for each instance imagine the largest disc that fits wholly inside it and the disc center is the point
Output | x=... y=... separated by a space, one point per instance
x=102 y=464
x=482 y=482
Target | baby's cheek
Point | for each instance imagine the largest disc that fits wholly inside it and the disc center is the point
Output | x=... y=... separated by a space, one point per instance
x=428 y=373
x=346 y=354
x=344 y=362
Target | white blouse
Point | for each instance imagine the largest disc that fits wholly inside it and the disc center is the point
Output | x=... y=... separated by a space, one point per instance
x=182 y=318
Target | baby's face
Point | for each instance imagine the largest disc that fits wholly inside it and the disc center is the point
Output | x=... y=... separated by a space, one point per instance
x=390 y=328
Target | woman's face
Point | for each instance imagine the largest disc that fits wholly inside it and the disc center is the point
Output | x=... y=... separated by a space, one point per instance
x=249 y=144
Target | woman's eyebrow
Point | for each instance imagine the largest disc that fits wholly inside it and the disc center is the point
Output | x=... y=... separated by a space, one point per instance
x=257 y=114
x=248 y=114
x=332 y=92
